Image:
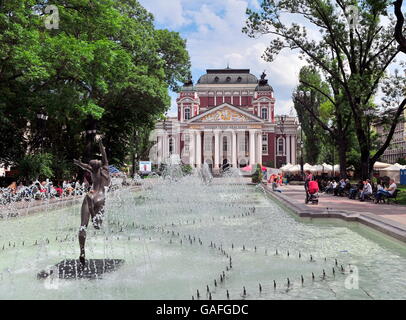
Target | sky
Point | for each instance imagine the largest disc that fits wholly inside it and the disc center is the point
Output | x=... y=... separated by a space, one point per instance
x=212 y=29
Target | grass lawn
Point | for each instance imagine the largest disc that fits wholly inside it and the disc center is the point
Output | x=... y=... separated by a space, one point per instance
x=402 y=195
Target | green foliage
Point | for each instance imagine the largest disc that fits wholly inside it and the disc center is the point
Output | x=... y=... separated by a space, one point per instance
x=36 y=166
x=106 y=61
x=308 y=110
x=401 y=161
x=187 y=169
x=257 y=175
x=353 y=60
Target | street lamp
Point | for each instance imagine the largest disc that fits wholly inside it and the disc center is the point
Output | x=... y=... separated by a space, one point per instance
x=281 y=123
x=301 y=150
x=42 y=119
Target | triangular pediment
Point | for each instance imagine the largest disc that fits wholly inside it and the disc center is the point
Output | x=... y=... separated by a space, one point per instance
x=225 y=113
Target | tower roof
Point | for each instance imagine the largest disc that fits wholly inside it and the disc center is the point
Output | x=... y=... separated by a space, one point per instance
x=228 y=76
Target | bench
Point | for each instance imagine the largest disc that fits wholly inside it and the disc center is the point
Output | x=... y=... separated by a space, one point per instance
x=392 y=198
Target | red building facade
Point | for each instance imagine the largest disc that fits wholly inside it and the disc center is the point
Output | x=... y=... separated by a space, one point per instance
x=228 y=117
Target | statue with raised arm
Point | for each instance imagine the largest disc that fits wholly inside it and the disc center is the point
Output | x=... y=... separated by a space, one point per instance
x=93 y=203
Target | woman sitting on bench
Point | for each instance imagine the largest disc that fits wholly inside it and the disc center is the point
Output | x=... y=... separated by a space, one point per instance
x=387 y=192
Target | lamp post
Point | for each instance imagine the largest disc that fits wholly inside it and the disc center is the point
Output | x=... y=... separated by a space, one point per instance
x=281 y=123
x=42 y=118
x=301 y=151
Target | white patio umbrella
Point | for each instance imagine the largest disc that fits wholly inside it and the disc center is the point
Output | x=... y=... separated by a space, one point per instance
x=307 y=166
x=286 y=167
x=328 y=168
x=381 y=165
x=336 y=169
x=392 y=171
x=294 y=169
x=318 y=169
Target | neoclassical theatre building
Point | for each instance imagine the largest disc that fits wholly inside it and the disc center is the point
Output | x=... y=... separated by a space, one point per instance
x=227 y=118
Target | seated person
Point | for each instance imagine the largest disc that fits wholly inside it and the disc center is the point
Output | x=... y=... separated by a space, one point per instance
x=366 y=191
x=335 y=187
x=340 y=188
x=354 y=190
x=347 y=186
x=387 y=192
x=329 y=187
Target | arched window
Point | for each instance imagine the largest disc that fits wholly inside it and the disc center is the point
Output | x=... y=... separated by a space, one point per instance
x=187 y=113
x=171 y=145
x=264 y=113
x=281 y=146
x=225 y=146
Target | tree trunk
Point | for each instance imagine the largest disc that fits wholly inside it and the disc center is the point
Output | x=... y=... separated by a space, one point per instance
x=342 y=155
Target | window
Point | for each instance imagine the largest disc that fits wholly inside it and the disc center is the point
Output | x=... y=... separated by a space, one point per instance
x=187 y=113
x=187 y=143
x=264 y=113
x=216 y=79
x=208 y=143
x=225 y=146
x=264 y=144
x=228 y=79
x=239 y=79
x=281 y=146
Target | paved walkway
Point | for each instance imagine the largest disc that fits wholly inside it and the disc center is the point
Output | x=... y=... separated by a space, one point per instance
x=327 y=202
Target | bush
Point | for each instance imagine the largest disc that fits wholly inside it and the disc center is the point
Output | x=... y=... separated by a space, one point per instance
x=35 y=166
x=187 y=169
x=257 y=175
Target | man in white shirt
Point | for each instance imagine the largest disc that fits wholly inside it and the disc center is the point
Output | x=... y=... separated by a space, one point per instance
x=366 y=191
x=388 y=192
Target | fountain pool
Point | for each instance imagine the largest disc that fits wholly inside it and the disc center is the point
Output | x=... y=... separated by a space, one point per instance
x=180 y=236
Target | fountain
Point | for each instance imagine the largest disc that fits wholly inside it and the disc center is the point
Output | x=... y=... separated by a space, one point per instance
x=182 y=237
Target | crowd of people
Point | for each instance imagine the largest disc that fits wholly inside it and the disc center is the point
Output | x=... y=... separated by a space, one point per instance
x=37 y=190
x=363 y=190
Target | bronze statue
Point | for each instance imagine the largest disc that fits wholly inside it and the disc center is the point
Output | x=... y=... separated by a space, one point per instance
x=93 y=203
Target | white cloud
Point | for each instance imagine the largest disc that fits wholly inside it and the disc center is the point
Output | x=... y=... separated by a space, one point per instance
x=214 y=39
x=166 y=12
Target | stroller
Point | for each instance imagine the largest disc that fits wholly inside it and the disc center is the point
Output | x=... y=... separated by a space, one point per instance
x=312 y=192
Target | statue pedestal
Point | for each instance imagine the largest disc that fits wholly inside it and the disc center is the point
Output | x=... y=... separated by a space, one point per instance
x=73 y=269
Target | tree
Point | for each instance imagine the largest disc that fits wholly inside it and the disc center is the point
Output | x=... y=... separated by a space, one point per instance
x=332 y=114
x=354 y=56
x=400 y=38
x=307 y=103
x=105 y=68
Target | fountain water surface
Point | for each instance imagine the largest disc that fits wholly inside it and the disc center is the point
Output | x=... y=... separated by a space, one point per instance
x=196 y=237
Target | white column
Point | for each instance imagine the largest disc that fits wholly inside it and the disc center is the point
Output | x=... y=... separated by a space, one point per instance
x=165 y=146
x=252 y=147
x=289 y=141
x=294 y=149
x=288 y=149
x=198 y=149
x=216 y=149
x=192 y=148
x=259 y=147
x=234 y=149
x=159 y=151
